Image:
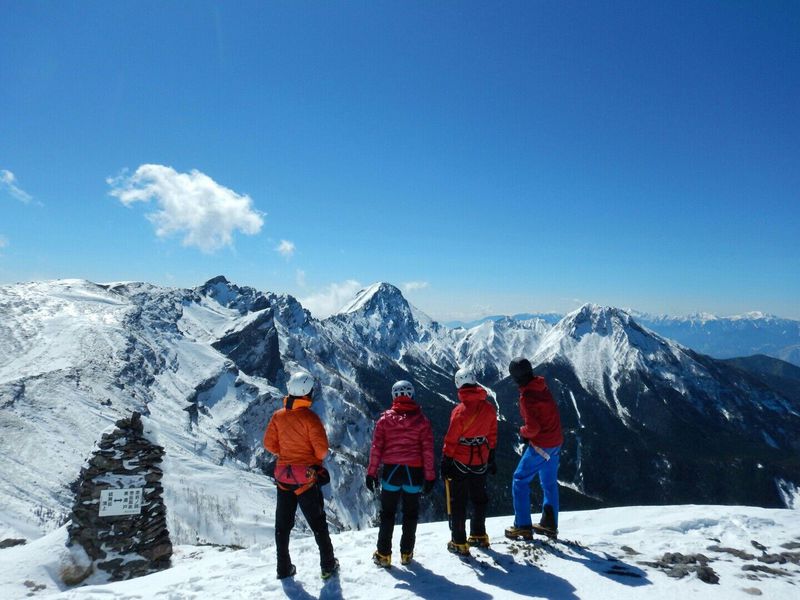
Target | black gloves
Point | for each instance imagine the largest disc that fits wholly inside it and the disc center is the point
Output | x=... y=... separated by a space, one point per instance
x=447 y=468
x=491 y=468
x=372 y=483
x=322 y=475
x=427 y=487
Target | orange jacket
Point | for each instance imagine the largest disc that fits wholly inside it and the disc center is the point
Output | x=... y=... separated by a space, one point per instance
x=296 y=435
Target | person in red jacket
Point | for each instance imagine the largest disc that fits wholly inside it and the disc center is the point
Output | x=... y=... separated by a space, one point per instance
x=296 y=436
x=403 y=444
x=468 y=455
x=541 y=430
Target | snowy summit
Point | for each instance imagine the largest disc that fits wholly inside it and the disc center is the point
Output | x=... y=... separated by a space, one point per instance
x=208 y=366
x=661 y=553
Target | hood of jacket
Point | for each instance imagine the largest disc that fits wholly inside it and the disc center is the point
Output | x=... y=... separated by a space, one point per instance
x=471 y=395
x=403 y=405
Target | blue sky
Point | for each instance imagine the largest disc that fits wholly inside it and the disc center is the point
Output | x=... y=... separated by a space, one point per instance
x=493 y=157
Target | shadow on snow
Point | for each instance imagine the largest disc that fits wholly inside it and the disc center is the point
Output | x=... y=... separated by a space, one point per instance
x=424 y=583
x=332 y=590
x=606 y=565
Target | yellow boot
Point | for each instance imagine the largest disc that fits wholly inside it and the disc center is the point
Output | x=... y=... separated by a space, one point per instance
x=459 y=549
x=382 y=560
x=479 y=541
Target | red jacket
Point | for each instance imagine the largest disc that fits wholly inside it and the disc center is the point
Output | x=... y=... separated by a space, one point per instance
x=542 y=423
x=403 y=436
x=474 y=417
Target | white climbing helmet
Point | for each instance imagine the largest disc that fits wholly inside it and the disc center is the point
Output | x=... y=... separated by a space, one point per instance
x=403 y=388
x=465 y=376
x=300 y=384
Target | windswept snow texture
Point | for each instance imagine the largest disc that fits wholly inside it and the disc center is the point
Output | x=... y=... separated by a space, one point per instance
x=602 y=556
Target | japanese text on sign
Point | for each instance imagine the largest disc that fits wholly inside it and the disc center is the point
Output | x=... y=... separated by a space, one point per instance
x=121 y=502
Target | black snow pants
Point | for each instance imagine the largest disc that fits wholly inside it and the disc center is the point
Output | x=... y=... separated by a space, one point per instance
x=463 y=487
x=312 y=503
x=389 y=502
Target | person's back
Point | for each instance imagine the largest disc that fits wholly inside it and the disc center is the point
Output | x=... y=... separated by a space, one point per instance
x=468 y=455
x=401 y=435
x=403 y=444
x=473 y=427
x=296 y=436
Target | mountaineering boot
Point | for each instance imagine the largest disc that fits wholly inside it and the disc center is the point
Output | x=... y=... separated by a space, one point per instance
x=382 y=560
x=329 y=572
x=479 y=541
x=406 y=557
x=541 y=530
x=515 y=533
x=290 y=572
x=459 y=549
x=547 y=524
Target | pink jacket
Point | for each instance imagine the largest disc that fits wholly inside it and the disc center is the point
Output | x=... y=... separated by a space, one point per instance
x=403 y=436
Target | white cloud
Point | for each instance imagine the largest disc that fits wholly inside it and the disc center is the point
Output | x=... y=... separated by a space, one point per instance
x=410 y=286
x=9 y=182
x=300 y=278
x=193 y=204
x=331 y=299
x=286 y=248
x=4 y=243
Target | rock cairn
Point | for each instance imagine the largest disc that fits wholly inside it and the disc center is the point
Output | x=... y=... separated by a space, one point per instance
x=122 y=545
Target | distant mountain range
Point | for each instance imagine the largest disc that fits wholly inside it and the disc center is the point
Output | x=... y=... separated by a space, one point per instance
x=647 y=420
x=720 y=337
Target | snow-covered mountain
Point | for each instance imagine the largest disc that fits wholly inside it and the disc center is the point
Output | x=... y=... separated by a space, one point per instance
x=549 y=317
x=648 y=420
x=729 y=337
x=672 y=423
x=721 y=337
x=206 y=366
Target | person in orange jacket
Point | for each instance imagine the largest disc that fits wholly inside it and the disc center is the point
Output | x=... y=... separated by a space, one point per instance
x=296 y=436
x=468 y=455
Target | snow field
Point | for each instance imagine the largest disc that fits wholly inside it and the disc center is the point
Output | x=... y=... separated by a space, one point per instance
x=596 y=567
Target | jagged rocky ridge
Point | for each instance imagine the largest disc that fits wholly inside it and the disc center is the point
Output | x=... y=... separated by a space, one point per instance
x=647 y=420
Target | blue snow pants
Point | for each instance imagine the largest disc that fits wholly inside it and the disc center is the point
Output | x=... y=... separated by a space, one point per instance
x=529 y=466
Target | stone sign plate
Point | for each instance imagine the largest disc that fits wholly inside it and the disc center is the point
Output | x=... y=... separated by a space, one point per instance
x=126 y=501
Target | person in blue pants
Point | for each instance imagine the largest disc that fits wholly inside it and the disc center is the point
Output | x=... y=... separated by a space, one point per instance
x=531 y=464
x=541 y=429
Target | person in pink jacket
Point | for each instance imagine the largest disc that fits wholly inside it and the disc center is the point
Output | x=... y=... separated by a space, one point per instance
x=403 y=444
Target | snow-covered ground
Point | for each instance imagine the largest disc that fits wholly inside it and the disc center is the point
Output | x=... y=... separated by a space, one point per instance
x=601 y=556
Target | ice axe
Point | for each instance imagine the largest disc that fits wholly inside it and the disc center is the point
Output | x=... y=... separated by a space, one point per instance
x=447 y=501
